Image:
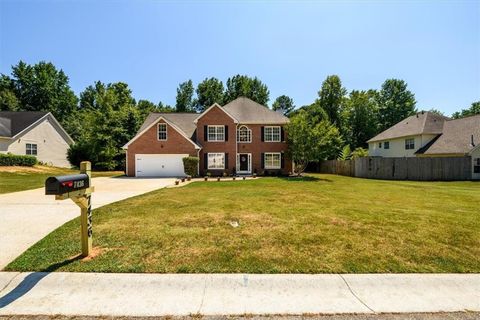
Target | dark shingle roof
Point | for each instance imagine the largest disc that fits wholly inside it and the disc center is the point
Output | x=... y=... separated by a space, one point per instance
x=421 y=123
x=248 y=111
x=184 y=121
x=14 y=122
x=456 y=137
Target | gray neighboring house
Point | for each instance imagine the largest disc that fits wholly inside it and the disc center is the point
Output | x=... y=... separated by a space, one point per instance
x=34 y=133
x=429 y=135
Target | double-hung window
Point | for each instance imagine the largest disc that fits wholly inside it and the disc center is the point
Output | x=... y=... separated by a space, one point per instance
x=162 y=131
x=272 y=134
x=31 y=149
x=216 y=161
x=476 y=165
x=386 y=145
x=273 y=160
x=380 y=145
x=244 y=134
x=409 y=144
x=216 y=133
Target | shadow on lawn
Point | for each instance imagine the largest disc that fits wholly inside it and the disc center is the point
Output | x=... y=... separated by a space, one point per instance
x=304 y=178
x=31 y=281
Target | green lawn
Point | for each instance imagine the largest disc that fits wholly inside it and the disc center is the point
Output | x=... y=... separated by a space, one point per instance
x=318 y=224
x=24 y=178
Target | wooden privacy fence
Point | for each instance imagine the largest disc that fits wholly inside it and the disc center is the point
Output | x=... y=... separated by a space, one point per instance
x=428 y=169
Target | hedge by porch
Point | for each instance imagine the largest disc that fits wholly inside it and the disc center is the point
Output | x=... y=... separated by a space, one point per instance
x=190 y=164
x=17 y=160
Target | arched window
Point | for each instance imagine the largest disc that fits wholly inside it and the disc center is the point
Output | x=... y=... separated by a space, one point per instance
x=244 y=134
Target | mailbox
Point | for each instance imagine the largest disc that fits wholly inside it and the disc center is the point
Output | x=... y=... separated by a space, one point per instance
x=65 y=184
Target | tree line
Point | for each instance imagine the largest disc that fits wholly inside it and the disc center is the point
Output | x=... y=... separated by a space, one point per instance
x=105 y=116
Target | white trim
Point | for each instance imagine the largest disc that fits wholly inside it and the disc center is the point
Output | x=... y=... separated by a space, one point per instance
x=126 y=163
x=265 y=162
x=249 y=170
x=238 y=136
x=208 y=160
x=279 y=134
x=154 y=123
x=474 y=149
x=49 y=115
x=216 y=126
x=158 y=131
x=220 y=107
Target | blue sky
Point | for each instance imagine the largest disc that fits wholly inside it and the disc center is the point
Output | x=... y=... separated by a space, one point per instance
x=291 y=46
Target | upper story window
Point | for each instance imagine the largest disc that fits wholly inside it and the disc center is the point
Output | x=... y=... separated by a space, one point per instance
x=386 y=145
x=162 y=131
x=272 y=134
x=216 y=133
x=244 y=134
x=409 y=144
x=31 y=149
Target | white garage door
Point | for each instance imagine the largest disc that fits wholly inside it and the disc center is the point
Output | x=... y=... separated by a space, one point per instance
x=159 y=165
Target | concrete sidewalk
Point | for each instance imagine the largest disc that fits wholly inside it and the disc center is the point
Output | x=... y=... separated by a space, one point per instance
x=28 y=216
x=234 y=294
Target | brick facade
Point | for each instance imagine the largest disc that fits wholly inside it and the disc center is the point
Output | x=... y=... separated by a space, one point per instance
x=148 y=143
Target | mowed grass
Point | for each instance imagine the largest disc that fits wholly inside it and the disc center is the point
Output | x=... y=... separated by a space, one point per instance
x=316 y=224
x=15 y=178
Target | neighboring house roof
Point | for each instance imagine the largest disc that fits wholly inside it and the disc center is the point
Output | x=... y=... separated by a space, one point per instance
x=420 y=123
x=250 y=112
x=14 y=122
x=456 y=137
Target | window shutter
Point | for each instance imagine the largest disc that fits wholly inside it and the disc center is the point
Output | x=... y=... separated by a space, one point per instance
x=283 y=160
x=263 y=135
x=263 y=158
x=205 y=133
x=282 y=133
x=226 y=133
x=205 y=161
x=226 y=160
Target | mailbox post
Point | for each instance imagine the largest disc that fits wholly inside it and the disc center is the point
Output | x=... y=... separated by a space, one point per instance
x=78 y=188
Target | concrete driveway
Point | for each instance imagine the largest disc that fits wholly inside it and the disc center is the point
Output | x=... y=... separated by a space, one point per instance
x=28 y=216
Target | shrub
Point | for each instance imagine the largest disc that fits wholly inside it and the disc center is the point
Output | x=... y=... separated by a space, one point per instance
x=191 y=165
x=16 y=160
x=77 y=153
x=359 y=153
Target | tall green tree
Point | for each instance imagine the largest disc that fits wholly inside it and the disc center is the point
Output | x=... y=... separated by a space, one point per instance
x=473 y=110
x=309 y=142
x=209 y=91
x=38 y=87
x=361 y=118
x=330 y=98
x=284 y=104
x=244 y=86
x=185 y=101
x=396 y=103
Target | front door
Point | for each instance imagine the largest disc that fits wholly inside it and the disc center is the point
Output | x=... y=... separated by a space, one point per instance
x=244 y=160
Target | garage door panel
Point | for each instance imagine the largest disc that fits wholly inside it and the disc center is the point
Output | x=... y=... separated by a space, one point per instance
x=159 y=165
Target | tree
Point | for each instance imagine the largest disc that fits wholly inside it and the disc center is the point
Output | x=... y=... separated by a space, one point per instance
x=395 y=103
x=345 y=154
x=331 y=97
x=436 y=111
x=360 y=117
x=285 y=104
x=473 y=110
x=244 y=86
x=209 y=91
x=39 y=87
x=185 y=102
x=308 y=142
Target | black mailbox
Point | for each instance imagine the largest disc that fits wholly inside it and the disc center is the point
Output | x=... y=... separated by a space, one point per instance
x=64 y=184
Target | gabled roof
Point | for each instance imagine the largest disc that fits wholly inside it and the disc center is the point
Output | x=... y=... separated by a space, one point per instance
x=184 y=121
x=250 y=112
x=14 y=122
x=420 y=123
x=456 y=137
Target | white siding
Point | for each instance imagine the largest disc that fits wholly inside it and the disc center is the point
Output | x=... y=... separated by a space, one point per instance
x=4 y=143
x=51 y=146
x=397 y=146
x=475 y=155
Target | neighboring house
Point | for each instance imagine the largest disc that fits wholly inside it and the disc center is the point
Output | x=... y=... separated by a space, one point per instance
x=34 y=133
x=242 y=137
x=430 y=135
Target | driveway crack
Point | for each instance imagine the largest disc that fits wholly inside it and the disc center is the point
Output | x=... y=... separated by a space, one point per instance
x=355 y=295
x=203 y=294
x=9 y=282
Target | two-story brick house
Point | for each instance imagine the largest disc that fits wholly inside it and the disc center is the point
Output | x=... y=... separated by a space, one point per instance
x=242 y=137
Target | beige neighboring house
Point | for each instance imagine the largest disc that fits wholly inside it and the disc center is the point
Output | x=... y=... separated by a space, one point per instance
x=428 y=134
x=34 y=133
